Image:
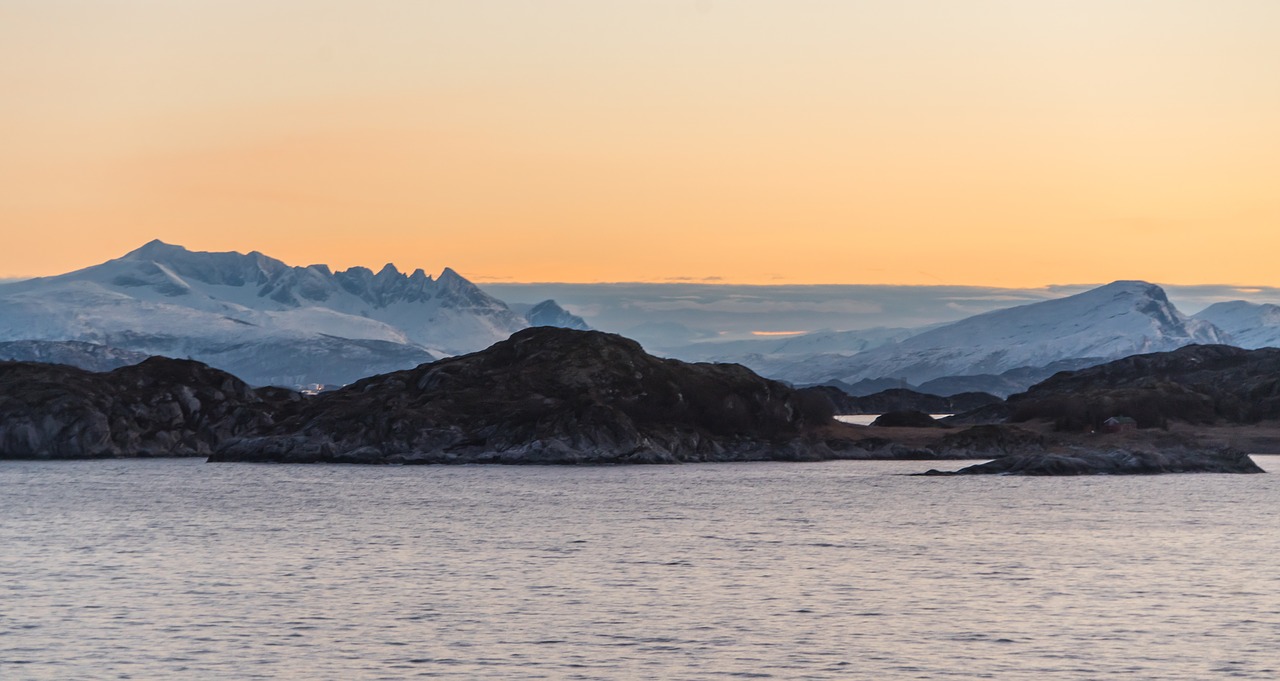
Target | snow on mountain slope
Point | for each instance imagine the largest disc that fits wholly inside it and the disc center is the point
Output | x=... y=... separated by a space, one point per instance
x=450 y=315
x=1251 y=325
x=1119 y=319
x=549 y=313
x=87 y=356
x=258 y=317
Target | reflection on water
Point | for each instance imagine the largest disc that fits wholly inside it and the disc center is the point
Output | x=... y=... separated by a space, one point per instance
x=176 y=568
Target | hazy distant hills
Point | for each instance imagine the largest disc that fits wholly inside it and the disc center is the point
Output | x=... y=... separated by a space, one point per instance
x=1008 y=350
x=1250 y=325
x=87 y=356
x=256 y=317
x=549 y=313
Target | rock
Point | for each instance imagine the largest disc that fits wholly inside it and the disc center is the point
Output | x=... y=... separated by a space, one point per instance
x=907 y=419
x=1197 y=384
x=989 y=414
x=556 y=396
x=160 y=407
x=901 y=399
x=1116 y=461
x=990 y=441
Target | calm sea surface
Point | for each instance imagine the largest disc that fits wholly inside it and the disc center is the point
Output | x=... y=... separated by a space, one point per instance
x=846 y=570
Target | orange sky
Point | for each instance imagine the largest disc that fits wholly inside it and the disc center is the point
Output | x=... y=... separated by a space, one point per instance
x=1005 y=143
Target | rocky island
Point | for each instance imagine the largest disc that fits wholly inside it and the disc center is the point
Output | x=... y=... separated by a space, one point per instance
x=556 y=396
x=547 y=395
x=1172 y=455
x=1193 y=409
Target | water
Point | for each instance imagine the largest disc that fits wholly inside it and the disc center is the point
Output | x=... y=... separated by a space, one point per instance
x=845 y=570
x=868 y=419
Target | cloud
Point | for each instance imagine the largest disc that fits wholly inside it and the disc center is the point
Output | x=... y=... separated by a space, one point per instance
x=761 y=306
x=997 y=298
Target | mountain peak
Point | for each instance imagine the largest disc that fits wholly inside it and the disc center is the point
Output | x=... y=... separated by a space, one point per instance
x=1114 y=320
x=1250 y=325
x=153 y=249
x=1129 y=286
x=549 y=313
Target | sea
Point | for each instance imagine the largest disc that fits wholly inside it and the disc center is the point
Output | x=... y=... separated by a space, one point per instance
x=181 y=569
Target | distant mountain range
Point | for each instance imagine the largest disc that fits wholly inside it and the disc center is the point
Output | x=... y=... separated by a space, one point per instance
x=275 y=324
x=258 y=318
x=1006 y=351
x=1250 y=325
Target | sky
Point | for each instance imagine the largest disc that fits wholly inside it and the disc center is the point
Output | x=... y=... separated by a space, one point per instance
x=1007 y=143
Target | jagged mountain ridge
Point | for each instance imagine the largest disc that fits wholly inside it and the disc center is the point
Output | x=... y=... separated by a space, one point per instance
x=257 y=317
x=448 y=315
x=1116 y=320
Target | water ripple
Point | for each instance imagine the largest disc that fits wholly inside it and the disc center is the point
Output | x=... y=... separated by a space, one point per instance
x=158 y=569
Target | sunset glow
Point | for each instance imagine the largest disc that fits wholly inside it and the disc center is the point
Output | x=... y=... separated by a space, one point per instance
x=999 y=143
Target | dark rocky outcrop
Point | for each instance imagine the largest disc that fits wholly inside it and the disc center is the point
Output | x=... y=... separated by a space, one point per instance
x=992 y=413
x=1168 y=458
x=160 y=407
x=991 y=441
x=901 y=399
x=867 y=386
x=907 y=419
x=551 y=395
x=544 y=396
x=1197 y=384
x=1005 y=383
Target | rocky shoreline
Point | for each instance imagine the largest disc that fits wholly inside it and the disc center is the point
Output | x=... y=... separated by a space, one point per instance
x=159 y=407
x=545 y=396
x=1115 y=461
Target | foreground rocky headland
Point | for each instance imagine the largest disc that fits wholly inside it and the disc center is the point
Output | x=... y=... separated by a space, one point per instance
x=552 y=396
x=1199 y=408
x=560 y=396
x=544 y=396
x=1171 y=456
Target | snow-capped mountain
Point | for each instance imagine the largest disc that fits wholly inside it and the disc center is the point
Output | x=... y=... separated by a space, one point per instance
x=1119 y=319
x=549 y=313
x=1250 y=325
x=257 y=317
